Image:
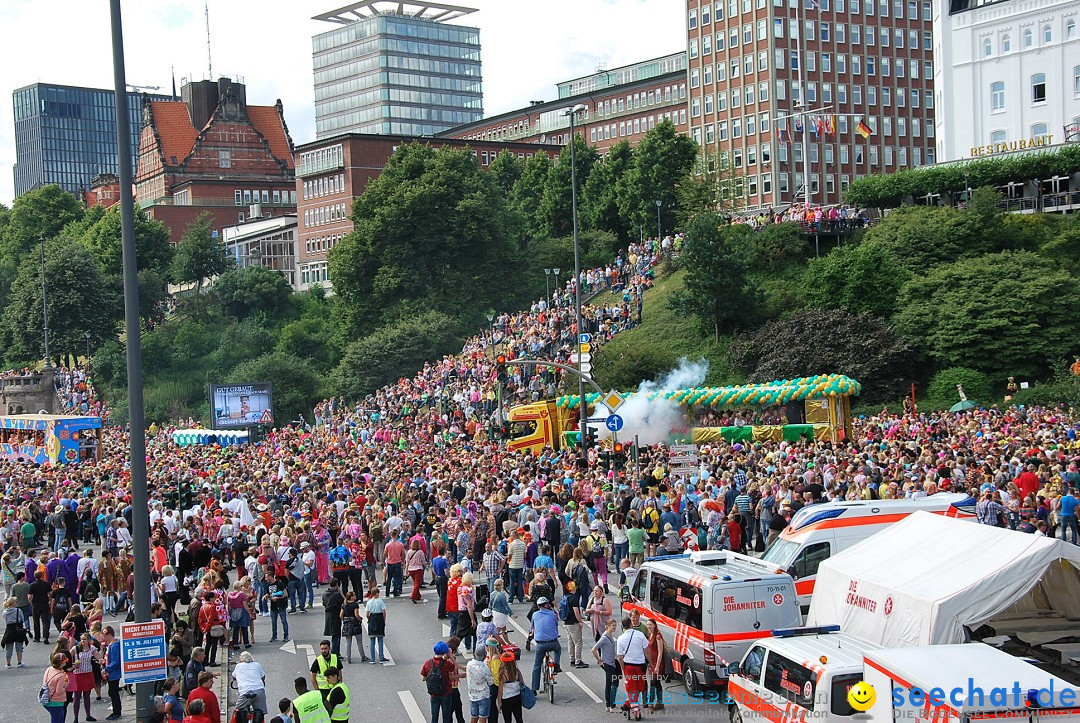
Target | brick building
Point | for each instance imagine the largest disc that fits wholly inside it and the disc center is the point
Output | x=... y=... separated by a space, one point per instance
x=331 y=172
x=211 y=151
x=869 y=60
x=621 y=104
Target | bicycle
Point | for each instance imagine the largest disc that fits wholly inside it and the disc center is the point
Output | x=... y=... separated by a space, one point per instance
x=547 y=676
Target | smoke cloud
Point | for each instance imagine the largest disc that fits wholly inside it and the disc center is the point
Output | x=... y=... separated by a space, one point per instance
x=654 y=420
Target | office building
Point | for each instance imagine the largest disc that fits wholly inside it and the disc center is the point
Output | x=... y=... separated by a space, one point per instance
x=862 y=61
x=212 y=152
x=268 y=241
x=396 y=67
x=1010 y=73
x=620 y=104
x=66 y=135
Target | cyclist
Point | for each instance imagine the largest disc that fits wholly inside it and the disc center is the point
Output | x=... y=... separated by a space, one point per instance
x=545 y=631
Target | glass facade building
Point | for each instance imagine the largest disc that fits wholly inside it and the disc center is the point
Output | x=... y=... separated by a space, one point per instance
x=396 y=74
x=66 y=135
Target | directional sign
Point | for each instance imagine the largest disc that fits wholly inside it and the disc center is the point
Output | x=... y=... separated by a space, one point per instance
x=684 y=459
x=584 y=338
x=683 y=448
x=585 y=367
x=580 y=357
x=614 y=423
x=584 y=348
x=613 y=399
x=142 y=652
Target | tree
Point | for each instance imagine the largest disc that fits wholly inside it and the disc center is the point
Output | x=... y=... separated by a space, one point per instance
x=506 y=169
x=79 y=300
x=40 y=213
x=662 y=160
x=598 y=199
x=717 y=262
x=394 y=351
x=1064 y=248
x=718 y=188
x=863 y=278
x=199 y=256
x=242 y=292
x=942 y=391
x=432 y=232
x=104 y=240
x=529 y=190
x=833 y=341
x=295 y=385
x=1012 y=312
x=776 y=247
x=555 y=212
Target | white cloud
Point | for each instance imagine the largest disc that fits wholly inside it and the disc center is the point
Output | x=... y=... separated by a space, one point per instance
x=526 y=48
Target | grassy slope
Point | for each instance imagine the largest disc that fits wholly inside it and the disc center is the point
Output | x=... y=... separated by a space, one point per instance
x=656 y=346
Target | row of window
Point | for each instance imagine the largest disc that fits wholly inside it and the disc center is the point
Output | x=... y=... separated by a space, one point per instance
x=750 y=94
x=246 y=197
x=643 y=99
x=324 y=214
x=825 y=32
x=314 y=273
x=1027 y=39
x=322 y=159
x=627 y=128
x=715 y=12
x=325 y=186
x=1038 y=90
x=322 y=244
x=1037 y=130
x=386 y=24
x=488 y=157
x=874 y=65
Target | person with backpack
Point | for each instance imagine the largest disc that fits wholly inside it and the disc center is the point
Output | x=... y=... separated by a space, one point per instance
x=436 y=673
x=60 y=603
x=598 y=551
x=572 y=615
x=53 y=693
x=376 y=621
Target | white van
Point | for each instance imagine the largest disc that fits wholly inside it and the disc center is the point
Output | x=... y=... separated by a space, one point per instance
x=818 y=532
x=711 y=606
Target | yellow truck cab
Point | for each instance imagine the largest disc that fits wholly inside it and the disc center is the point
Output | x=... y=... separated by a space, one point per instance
x=541 y=424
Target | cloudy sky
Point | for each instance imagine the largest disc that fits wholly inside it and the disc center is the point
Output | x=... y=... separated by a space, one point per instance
x=526 y=47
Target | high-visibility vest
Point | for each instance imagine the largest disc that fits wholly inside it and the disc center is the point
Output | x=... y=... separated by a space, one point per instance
x=320 y=677
x=310 y=709
x=341 y=710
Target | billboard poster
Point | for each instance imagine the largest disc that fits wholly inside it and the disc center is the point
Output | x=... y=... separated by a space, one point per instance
x=142 y=652
x=236 y=406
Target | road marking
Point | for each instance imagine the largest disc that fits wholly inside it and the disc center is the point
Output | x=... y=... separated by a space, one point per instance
x=411 y=706
x=567 y=673
x=445 y=630
x=292 y=648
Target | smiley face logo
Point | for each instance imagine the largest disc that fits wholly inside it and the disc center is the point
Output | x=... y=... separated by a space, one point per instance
x=861 y=696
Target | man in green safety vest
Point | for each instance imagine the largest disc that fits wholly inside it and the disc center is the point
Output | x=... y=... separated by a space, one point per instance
x=337 y=698
x=308 y=705
x=322 y=663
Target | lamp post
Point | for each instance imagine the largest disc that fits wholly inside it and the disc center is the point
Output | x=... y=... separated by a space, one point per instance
x=87 y=335
x=547 y=285
x=582 y=405
x=491 y=333
x=556 y=272
x=44 y=305
x=658 y=204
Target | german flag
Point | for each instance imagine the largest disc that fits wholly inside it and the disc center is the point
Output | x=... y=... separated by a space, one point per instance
x=863 y=129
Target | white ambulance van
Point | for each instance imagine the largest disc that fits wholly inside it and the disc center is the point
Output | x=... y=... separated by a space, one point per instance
x=802 y=674
x=964 y=683
x=818 y=532
x=711 y=606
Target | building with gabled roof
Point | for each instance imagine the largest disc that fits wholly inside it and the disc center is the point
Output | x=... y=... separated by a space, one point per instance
x=212 y=152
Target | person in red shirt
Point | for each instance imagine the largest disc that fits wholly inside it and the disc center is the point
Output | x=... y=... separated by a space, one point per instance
x=734 y=532
x=203 y=692
x=1028 y=482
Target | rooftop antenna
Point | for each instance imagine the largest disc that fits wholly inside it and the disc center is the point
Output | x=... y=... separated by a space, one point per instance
x=172 y=71
x=209 y=62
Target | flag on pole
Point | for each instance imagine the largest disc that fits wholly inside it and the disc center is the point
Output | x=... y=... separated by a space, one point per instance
x=798 y=126
x=832 y=125
x=779 y=133
x=863 y=129
x=815 y=5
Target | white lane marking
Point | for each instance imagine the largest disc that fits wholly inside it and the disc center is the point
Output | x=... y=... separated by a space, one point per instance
x=567 y=673
x=310 y=653
x=445 y=630
x=389 y=657
x=411 y=706
x=288 y=648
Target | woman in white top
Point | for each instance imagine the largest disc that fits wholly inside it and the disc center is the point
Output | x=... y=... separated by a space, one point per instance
x=619 y=539
x=170 y=590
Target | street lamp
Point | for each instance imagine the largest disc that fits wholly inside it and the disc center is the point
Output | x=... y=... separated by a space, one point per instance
x=491 y=332
x=582 y=406
x=547 y=285
x=44 y=305
x=87 y=335
x=658 y=204
x=556 y=270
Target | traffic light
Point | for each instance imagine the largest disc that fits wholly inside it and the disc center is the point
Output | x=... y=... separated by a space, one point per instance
x=500 y=369
x=618 y=456
x=605 y=458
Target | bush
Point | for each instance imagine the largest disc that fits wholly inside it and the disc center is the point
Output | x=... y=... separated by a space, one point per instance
x=1062 y=389
x=942 y=388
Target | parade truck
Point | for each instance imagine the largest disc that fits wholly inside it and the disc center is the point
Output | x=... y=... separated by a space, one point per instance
x=50 y=438
x=816 y=407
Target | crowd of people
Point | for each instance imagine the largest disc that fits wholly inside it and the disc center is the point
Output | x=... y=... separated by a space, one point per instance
x=409 y=484
x=812 y=218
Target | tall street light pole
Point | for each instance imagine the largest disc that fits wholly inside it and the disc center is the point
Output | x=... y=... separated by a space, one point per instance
x=582 y=405
x=658 y=204
x=547 y=285
x=556 y=271
x=44 y=305
x=140 y=514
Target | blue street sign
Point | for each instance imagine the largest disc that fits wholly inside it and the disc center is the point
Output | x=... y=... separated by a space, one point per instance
x=584 y=338
x=613 y=422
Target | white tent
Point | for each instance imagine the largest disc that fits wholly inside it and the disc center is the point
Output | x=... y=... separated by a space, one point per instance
x=924 y=579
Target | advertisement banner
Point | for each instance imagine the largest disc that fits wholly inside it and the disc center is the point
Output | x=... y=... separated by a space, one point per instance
x=236 y=406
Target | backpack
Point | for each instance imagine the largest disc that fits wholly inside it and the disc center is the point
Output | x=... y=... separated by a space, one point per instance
x=597 y=547
x=44 y=695
x=90 y=590
x=62 y=604
x=435 y=680
x=564 y=607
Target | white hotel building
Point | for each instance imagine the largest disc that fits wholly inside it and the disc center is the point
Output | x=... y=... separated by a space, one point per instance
x=1005 y=72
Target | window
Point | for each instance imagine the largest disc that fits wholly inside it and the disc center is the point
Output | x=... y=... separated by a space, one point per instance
x=1006 y=43
x=693 y=19
x=763 y=91
x=748 y=64
x=719 y=42
x=708 y=74
x=998 y=136
x=762 y=31
x=1076 y=81
x=763 y=125
x=841 y=33
x=704 y=15
x=238 y=198
x=1039 y=129
x=751 y=665
x=693 y=48
x=1070 y=30
x=790 y=681
x=1027 y=39
x=824 y=32
x=721 y=72
x=763 y=61
x=988 y=48
x=224 y=159
x=675 y=599
x=997 y=96
x=747 y=34
x=1048 y=34
x=1038 y=88
x=841 y=93
x=778 y=28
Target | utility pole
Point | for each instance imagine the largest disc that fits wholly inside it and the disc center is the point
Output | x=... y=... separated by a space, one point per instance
x=802 y=101
x=44 y=306
x=140 y=513
x=582 y=404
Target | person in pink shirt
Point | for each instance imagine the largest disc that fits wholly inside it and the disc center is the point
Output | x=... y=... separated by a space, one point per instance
x=395 y=556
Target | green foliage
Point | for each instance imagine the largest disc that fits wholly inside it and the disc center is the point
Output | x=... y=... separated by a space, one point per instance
x=598 y=199
x=820 y=341
x=529 y=191
x=1012 y=312
x=153 y=291
x=40 y=213
x=199 y=256
x=777 y=247
x=1063 y=389
x=1064 y=247
x=506 y=169
x=238 y=343
x=242 y=292
x=310 y=338
x=717 y=187
x=887 y=190
x=864 y=278
x=295 y=385
x=555 y=212
x=104 y=240
x=432 y=232
x=717 y=259
x=942 y=391
x=394 y=351
x=662 y=159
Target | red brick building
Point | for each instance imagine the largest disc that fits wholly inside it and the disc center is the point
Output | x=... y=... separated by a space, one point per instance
x=211 y=151
x=104 y=191
x=331 y=172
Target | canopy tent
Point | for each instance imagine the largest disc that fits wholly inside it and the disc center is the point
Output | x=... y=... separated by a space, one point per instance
x=223 y=437
x=926 y=578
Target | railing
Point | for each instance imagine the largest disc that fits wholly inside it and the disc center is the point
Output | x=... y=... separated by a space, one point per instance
x=215 y=202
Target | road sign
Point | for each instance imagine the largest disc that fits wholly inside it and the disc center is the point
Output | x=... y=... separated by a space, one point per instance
x=584 y=348
x=614 y=423
x=684 y=449
x=613 y=399
x=575 y=358
x=584 y=338
x=142 y=652
x=684 y=459
x=585 y=367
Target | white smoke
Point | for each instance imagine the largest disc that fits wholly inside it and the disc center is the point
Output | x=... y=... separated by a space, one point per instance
x=654 y=420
